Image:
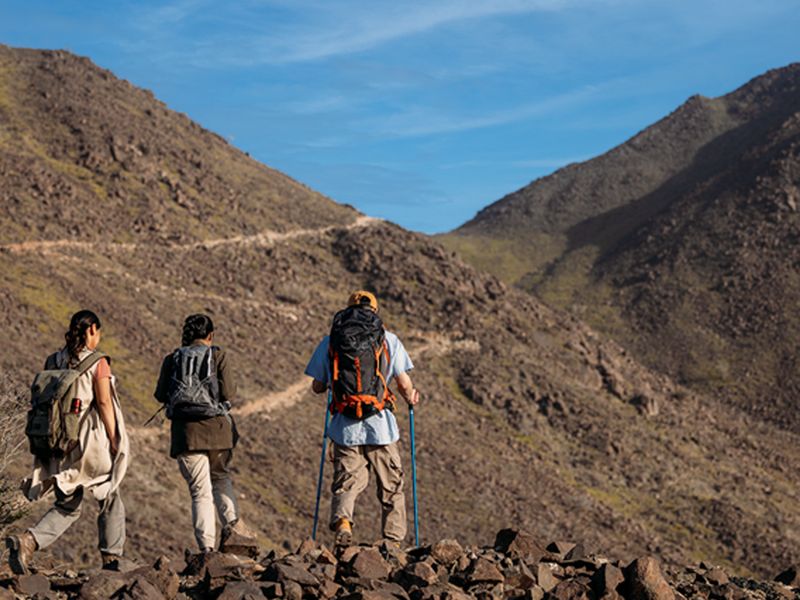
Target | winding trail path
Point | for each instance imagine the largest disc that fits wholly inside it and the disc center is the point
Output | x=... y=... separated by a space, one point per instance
x=263 y=238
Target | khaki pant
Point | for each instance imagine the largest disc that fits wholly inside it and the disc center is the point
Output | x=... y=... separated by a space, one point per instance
x=351 y=467
x=67 y=510
x=208 y=476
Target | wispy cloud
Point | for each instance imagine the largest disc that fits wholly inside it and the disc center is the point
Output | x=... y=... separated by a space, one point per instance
x=322 y=30
x=425 y=121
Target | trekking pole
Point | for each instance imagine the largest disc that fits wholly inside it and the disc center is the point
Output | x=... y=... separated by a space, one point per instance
x=322 y=464
x=414 y=474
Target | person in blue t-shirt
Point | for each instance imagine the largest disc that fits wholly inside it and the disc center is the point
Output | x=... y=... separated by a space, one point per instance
x=369 y=443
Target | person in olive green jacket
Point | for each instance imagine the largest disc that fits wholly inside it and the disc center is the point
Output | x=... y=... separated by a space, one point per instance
x=203 y=435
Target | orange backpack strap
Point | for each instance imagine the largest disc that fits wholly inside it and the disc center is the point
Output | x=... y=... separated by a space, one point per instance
x=335 y=364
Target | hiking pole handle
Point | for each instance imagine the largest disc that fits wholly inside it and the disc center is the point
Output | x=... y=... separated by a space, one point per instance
x=414 y=474
x=322 y=464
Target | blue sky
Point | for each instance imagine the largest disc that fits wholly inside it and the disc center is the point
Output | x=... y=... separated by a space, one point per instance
x=421 y=112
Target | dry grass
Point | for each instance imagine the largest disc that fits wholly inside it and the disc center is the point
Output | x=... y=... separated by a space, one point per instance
x=12 y=441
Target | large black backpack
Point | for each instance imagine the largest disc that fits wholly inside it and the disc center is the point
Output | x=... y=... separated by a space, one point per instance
x=359 y=363
x=54 y=419
x=193 y=392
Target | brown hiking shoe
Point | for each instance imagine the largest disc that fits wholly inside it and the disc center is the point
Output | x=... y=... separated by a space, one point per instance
x=20 y=552
x=238 y=538
x=120 y=564
x=344 y=532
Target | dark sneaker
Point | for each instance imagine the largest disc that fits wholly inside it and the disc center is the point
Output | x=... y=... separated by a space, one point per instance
x=20 y=552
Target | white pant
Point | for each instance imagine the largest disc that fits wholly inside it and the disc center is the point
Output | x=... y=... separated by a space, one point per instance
x=208 y=476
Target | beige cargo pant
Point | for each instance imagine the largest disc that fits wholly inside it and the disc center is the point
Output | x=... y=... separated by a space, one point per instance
x=67 y=510
x=209 y=479
x=351 y=467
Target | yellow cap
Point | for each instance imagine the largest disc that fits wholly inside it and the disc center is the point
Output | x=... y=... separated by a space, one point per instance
x=362 y=298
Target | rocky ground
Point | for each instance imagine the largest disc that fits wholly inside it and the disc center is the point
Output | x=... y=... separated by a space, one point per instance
x=516 y=566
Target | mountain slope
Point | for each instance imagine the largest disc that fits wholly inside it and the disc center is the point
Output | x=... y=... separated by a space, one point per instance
x=528 y=415
x=681 y=243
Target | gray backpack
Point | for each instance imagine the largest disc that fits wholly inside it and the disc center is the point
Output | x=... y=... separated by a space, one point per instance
x=194 y=386
x=53 y=422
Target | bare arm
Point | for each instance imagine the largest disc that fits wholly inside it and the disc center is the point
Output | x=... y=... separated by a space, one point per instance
x=406 y=388
x=105 y=406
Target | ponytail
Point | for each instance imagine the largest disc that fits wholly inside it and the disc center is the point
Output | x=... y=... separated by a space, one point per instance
x=196 y=327
x=79 y=324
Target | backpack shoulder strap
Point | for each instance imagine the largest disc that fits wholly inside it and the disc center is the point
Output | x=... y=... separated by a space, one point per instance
x=51 y=362
x=91 y=360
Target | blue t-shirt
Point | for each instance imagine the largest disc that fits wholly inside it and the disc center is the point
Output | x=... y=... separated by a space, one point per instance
x=376 y=430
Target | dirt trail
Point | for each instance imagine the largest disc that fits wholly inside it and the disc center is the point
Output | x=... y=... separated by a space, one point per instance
x=256 y=239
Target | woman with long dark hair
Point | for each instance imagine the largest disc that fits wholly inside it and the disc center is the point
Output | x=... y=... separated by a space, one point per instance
x=197 y=387
x=95 y=465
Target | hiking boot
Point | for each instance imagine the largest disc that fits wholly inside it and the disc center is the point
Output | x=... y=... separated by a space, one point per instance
x=120 y=564
x=238 y=538
x=344 y=532
x=20 y=552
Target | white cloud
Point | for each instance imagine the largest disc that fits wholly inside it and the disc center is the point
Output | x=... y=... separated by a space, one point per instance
x=278 y=32
x=425 y=121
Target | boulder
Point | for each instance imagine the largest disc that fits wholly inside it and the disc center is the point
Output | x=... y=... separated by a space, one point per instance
x=7 y=594
x=323 y=571
x=142 y=589
x=369 y=564
x=519 y=577
x=446 y=552
x=285 y=573
x=369 y=595
x=560 y=548
x=31 y=585
x=645 y=581
x=606 y=580
x=483 y=571
x=545 y=577
x=534 y=593
x=717 y=576
x=239 y=540
x=241 y=590
x=328 y=589
x=420 y=574
x=519 y=544
x=789 y=577
x=161 y=576
x=272 y=589
x=102 y=585
x=292 y=591
x=571 y=589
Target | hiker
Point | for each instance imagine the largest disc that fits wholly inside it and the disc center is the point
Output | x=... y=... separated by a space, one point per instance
x=197 y=386
x=94 y=461
x=357 y=361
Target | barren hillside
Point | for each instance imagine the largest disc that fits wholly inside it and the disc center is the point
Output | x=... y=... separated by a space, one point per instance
x=528 y=416
x=680 y=243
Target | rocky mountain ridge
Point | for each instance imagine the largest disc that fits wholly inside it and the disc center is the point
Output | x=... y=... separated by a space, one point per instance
x=680 y=243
